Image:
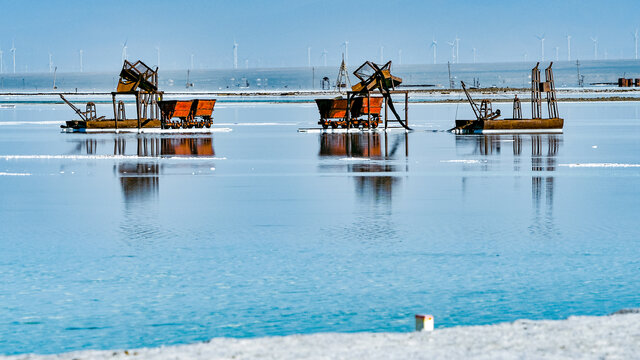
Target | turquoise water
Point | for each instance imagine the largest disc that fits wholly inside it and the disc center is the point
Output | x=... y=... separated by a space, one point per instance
x=122 y=241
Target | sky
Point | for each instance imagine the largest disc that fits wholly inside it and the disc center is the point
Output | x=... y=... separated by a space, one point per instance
x=279 y=33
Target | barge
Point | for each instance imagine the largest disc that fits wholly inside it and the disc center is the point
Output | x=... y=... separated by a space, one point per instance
x=152 y=111
x=488 y=122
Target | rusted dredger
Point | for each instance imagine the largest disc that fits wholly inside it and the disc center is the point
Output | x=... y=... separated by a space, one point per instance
x=487 y=121
x=141 y=81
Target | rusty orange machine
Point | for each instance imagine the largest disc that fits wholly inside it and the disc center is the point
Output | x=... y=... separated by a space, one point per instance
x=333 y=112
x=351 y=111
x=190 y=113
x=141 y=82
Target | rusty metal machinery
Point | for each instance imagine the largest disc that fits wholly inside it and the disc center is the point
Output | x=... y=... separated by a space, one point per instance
x=343 y=77
x=538 y=87
x=88 y=114
x=377 y=77
x=484 y=111
x=139 y=80
x=488 y=120
x=517 y=109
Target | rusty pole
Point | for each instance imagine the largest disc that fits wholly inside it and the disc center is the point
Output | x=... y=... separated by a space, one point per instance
x=138 y=107
x=406 y=143
x=348 y=114
x=369 y=110
x=115 y=113
x=386 y=109
x=386 y=145
x=406 y=108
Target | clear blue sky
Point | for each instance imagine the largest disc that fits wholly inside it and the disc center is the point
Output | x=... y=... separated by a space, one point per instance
x=277 y=33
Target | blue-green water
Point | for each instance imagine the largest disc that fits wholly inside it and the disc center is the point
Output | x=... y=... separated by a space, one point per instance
x=122 y=241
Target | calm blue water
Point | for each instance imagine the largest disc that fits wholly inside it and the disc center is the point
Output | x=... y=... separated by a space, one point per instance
x=493 y=74
x=267 y=231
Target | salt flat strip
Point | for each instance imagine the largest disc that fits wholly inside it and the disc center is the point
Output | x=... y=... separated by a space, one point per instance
x=601 y=165
x=255 y=124
x=14 y=174
x=14 y=123
x=150 y=131
x=581 y=337
x=462 y=161
x=352 y=130
x=106 y=157
x=354 y=159
x=521 y=131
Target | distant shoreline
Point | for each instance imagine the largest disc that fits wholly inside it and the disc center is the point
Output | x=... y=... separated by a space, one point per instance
x=435 y=96
x=578 y=337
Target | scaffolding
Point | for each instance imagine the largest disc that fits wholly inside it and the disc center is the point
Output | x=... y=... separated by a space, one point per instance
x=141 y=81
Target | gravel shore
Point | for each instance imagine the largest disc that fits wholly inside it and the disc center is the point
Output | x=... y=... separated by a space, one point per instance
x=616 y=336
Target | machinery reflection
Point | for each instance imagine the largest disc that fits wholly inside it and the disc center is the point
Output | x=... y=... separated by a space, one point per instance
x=139 y=173
x=544 y=151
x=369 y=156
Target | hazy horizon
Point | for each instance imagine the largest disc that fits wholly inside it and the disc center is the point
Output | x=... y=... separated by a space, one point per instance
x=275 y=35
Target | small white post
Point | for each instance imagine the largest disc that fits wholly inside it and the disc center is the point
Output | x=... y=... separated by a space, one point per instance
x=424 y=322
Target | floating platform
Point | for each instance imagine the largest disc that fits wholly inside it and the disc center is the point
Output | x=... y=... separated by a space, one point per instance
x=110 y=124
x=352 y=130
x=147 y=130
x=553 y=125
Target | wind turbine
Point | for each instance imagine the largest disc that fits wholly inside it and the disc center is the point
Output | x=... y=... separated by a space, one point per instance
x=453 y=51
x=541 y=38
x=457 y=40
x=324 y=57
x=434 y=45
x=81 y=67
x=13 y=54
x=474 y=55
x=235 y=54
x=595 y=48
x=346 y=52
x=568 y=47
x=635 y=39
x=50 y=64
x=124 y=51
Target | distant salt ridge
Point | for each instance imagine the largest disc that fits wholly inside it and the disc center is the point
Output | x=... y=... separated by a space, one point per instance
x=601 y=165
x=14 y=174
x=256 y=124
x=106 y=157
x=581 y=337
x=463 y=161
x=14 y=123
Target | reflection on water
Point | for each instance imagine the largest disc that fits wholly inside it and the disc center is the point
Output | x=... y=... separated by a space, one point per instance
x=140 y=179
x=369 y=157
x=544 y=151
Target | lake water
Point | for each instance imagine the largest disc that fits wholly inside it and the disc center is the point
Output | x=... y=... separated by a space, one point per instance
x=122 y=241
x=515 y=74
